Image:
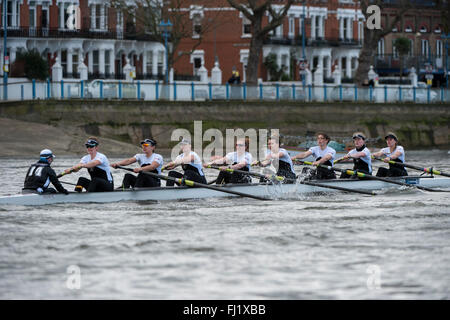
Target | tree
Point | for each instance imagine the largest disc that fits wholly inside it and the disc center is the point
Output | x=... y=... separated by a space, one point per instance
x=373 y=36
x=34 y=66
x=148 y=14
x=403 y=46
x=254 y=11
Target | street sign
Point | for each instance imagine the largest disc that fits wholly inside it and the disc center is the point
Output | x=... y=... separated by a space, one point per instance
x=303 y=64
x=429 y=82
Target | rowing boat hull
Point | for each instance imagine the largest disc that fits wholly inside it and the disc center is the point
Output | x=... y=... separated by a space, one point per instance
x=179 y=193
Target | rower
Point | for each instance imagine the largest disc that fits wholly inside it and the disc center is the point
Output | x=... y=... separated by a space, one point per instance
x=98 y=167
x=190 y=162
x=323 y=154
x=280 y=158
x=360 y=155
x=149 y=161
x=393 y=152
x=40 y=174
x=237 y=160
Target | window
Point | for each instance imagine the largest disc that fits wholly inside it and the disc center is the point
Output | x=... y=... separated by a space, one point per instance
x=75 y=63
x=411 y=48
x=197 y=65
x=107 y=65
x=99 y=17
x=63 y=61
x=318 y=21
x=149 y=63
x=291 y=26
x=380 y=49
x=279 y=31
x=423 y=29
x=425 y=47
x=246 y=27
x=394 y=50
x=197 y=28
x=408 y=29
x=344 y=28
x=95 y=66
x=12 y=13
x=160 y=62
x=439 y=48
x=32 y=15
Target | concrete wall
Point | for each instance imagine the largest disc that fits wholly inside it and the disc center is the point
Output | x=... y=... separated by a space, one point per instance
x=418 y=126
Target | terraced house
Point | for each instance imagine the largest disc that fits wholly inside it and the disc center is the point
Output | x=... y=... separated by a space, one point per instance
x=91 y=31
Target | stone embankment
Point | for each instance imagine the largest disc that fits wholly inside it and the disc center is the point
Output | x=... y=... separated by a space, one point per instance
x=28 y=126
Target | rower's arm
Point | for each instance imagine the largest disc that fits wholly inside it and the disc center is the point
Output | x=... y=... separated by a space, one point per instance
x=378 y=154
x=324 y=159
x=124 y=162
x=395 y=155
x=239 y=165
x=302 y=155
x=91 y=164
x=150 y=167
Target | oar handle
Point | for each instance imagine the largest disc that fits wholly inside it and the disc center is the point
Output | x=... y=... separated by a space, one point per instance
x=191 y=183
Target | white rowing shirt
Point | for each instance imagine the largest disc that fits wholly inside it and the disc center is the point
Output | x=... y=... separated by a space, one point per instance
x=104 y=163
x=234 y=157
x=387 y=152
x=285 y=157
x=142 y=159
x=367 y=158
x=319 y=153
x=197 y=163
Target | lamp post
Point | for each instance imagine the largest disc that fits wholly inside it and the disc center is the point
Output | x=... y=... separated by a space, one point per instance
x=446 y=37
x=303 y=42
x=5 y=52
x=166 y=28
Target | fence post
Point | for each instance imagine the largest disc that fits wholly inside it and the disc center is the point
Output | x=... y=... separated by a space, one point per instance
x=120 y=89
x=414 y=94
x=192 y=91
x=33 y=88
x=385 y=94
x=260 y=91
x=82 y=89
x=101 y=89
x=428 y=94
x=210 y=90
x=400 y=93
x=157 y=90
x=174 y=90
x=324 y=92
x=277 y=86
x=310 y=92
x=62 y=89
x=370 y=93
x=21 y=91
x=442 y=94
x=138 y=88
x=227 y=87
x=48 y=88
x=244 y=89
x=356 y=93
x=293 y=91
x=340 y=92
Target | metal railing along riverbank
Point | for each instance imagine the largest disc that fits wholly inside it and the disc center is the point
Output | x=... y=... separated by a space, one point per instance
x=191 y=91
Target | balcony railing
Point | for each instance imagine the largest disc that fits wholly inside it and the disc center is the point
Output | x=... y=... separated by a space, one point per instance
x=389 y=63
x=316 y=42
x=30 y=32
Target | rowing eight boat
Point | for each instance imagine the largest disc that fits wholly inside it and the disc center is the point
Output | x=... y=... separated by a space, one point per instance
x=270 y=191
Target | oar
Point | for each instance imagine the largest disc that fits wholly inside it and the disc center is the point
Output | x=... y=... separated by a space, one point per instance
x=73 y=184
x=368 y=176
x=191 y=183
x=407 y=165
x=279 y=178
x=64 y=173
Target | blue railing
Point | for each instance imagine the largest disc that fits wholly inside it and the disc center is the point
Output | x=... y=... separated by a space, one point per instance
x=194 y=91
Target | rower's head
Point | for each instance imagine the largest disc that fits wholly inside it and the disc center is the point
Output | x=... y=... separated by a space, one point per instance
x=148 y=145
x=359 y=139
x=242 y=145
x=185 y=145
x=91 y=145
x=274 y=143
x=46 y=155
x=322 y=139
x=391 y=139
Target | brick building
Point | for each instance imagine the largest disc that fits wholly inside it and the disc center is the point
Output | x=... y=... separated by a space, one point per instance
x=333 y=37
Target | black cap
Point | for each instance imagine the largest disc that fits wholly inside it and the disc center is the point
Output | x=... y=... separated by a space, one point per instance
x=91 y=143
x=149 y=141
x=391 y=135
x=359 y=135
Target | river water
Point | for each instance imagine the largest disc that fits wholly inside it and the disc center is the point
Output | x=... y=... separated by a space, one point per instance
x=395 y=245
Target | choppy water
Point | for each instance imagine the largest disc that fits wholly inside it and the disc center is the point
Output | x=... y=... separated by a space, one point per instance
x=339 y=246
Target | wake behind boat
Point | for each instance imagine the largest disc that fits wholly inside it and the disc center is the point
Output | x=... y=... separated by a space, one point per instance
x=269 y=191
